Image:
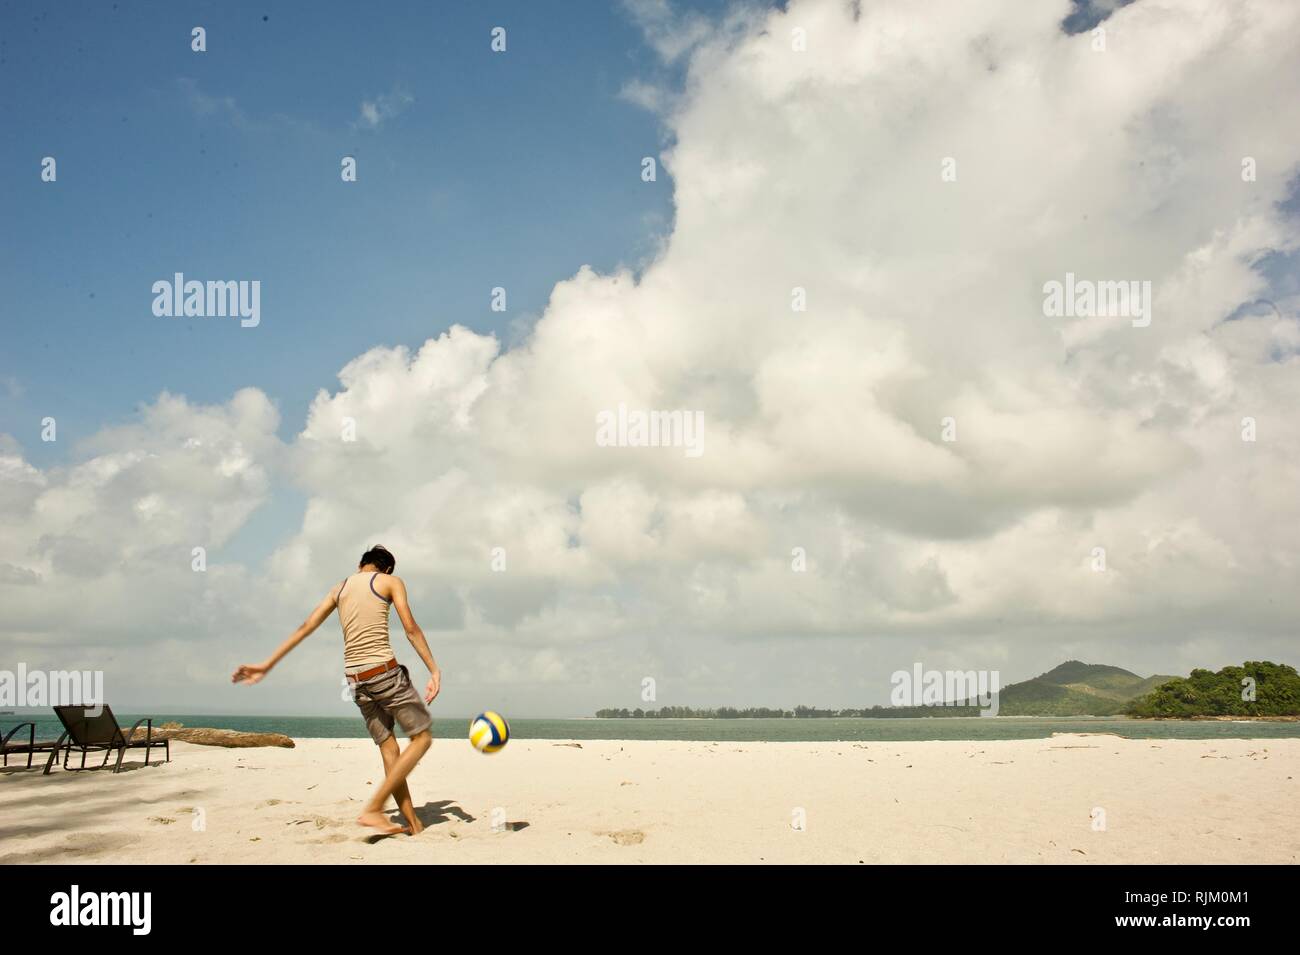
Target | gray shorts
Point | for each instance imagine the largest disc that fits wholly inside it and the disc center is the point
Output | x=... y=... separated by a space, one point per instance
x=389 y=697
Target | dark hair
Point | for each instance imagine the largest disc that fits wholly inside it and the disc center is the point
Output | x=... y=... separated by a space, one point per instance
x=380 y=557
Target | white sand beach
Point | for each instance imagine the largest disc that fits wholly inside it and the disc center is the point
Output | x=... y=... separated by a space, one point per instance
x=611 y=801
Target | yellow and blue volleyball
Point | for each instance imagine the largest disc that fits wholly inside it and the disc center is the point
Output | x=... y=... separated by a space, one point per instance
x=488 y=732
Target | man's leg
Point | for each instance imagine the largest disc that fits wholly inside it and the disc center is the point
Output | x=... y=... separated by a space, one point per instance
x=388 y=749
x=372 y=815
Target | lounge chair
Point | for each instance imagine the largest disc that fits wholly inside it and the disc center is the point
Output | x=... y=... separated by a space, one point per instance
x=31 y=747
x=90 y=734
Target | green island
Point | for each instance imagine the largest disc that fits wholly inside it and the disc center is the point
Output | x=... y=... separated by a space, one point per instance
x=1254 y=690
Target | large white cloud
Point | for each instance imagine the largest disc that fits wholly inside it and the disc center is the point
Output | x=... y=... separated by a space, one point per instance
x=821 y=169
x=100 y=569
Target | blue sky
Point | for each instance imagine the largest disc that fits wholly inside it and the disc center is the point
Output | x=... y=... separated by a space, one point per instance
x=505 y=170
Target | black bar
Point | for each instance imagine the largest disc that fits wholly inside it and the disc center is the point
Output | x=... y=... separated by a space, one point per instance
x=936 y=907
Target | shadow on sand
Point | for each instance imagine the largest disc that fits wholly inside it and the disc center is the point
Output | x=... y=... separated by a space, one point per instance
x=436 y=813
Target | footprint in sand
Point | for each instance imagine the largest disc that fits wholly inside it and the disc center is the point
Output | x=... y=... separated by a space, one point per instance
x=320 y=822
x=627 y=837
x=331 y=839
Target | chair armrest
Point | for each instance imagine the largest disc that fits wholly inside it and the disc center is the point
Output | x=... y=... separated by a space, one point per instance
x=31 y=734
x=148 y=733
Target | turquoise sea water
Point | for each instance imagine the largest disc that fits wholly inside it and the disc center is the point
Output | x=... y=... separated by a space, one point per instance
x=791 y=730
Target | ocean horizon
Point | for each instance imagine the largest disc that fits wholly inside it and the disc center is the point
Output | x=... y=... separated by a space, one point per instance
x=829 y=729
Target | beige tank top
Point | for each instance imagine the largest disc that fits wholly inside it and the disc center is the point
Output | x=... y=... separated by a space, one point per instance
x=364 y=616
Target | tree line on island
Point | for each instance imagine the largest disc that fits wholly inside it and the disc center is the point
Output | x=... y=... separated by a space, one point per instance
x=1252 y=690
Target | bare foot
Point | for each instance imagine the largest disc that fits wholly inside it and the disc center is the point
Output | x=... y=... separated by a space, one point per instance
x=415 y=827
x=379 y=822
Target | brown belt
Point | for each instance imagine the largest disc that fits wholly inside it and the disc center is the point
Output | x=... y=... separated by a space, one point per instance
x=373 y=671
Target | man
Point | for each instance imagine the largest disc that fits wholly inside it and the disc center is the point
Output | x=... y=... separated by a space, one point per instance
x=380 y=685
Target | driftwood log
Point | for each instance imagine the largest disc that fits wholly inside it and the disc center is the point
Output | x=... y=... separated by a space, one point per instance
x=233 y=739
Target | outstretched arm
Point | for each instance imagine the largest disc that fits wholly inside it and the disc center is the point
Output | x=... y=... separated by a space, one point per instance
x=416 y=636
x=253 y=672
